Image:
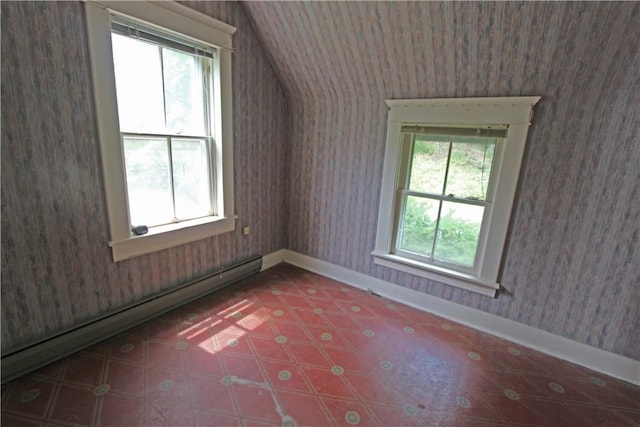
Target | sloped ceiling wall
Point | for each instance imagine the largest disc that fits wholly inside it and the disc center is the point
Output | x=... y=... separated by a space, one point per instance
x=572 y=262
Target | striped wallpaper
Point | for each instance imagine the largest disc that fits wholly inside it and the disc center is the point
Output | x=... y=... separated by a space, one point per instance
x=572 y=263
x=309 y=145
x=56 y=267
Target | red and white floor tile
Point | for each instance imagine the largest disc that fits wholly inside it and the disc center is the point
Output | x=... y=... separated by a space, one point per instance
x=291 y=348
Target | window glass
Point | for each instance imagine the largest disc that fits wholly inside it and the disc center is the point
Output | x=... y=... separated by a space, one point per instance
x=441 y=224
x=148 y=181
x=139 y=84
x=163 y=92
x=191 y=178
x=418 y=225
x=154 y=68
x=184 y=93
x=429 y=163
x=448 y=184
x=469 y=167
x=458 y=233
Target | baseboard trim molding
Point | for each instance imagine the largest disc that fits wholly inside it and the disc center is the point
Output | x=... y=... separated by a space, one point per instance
x=608 y=363
x=272 y=259
x=38 y=354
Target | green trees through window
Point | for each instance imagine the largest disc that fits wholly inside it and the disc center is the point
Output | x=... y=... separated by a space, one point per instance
x=445 y=197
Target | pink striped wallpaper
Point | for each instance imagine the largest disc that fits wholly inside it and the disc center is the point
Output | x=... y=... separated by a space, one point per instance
x=56 y=267
x=310 y=80
x=572 y=264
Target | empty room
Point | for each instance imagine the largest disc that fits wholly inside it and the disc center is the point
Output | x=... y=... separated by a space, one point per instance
x=320 y=213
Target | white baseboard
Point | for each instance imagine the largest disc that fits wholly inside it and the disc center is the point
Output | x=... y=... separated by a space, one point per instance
x=599 y=360
x=274 y=258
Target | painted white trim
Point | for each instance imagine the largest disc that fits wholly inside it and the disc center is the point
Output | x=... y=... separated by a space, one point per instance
x=273 y=259
x=165 y=237
x=514 y=112
x=113 y=169
x=507 y=110
x=434 y=272
x=187 y=22
x=611 y=364
x=163 y=14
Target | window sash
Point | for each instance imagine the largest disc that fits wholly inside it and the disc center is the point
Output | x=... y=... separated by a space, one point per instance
x=210 y=155
x=516 y=114
x=204 y=56
x=444 y=197
x=204 y=67
x=494 y=131
x=137 y=30
x=432 y=259
x=408 y=139
x=177 y=19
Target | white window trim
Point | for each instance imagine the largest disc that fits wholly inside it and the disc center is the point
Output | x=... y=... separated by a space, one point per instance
x=183 y=20
x=516 y=112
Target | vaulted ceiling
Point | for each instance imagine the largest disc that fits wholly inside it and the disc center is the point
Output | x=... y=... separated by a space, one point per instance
x=426 y=49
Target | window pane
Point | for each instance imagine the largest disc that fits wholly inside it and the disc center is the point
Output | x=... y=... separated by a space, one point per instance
x=138 y=85
x=148 y=181
x=191 y=178
x=470 y=167
x=458 y=233
x=429 y=163
x=417 y=226
x=184 y=93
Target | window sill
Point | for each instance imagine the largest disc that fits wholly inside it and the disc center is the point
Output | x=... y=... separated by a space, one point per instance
x=443 y=275
x=171 y=235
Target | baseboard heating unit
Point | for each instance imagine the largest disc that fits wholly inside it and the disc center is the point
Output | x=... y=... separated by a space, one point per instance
x=35 y=355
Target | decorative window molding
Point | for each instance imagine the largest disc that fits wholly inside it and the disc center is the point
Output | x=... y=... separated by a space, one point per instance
x=504 y=121
x=174 y=18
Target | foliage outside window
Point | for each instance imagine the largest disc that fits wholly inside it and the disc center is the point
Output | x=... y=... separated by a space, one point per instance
x=450 y=174
x=445 y=198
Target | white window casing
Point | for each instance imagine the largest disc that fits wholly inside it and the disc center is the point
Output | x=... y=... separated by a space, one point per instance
x=513 y=112
x=172 y=17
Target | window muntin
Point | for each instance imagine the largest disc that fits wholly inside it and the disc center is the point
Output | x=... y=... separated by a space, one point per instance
x=178 y=23
x=444 y=198
x=168 y=179
x=163 y=96
x=459 y=117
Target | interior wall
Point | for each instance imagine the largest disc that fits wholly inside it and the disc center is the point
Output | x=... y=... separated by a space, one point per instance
x=57 y=270
x=571 y=263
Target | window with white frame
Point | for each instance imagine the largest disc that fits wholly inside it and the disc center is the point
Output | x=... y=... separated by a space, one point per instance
x=163 y=88
x=450 y=174
x=162 y=84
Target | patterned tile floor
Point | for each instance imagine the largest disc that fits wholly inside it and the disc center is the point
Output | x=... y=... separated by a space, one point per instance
x=288 y=347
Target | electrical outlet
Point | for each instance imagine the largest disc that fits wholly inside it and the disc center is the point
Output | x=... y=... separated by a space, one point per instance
x=245 y=230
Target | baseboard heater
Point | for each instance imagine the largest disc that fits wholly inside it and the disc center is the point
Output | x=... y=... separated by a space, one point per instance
x=35 y=355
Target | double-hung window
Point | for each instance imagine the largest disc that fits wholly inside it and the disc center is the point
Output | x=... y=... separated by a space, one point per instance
x=450 y=173
x=445 y=192
x=163 y=88
x=162 y=84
